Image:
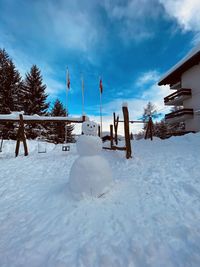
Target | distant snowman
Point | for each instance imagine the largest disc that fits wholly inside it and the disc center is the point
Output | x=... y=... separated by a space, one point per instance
x=90 y=174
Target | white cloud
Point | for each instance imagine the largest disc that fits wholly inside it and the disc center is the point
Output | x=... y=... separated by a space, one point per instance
x=73 y=26
x=152 y=92
x=186 y=12
x=54 y=88
x=133 y=16
x=145 y=78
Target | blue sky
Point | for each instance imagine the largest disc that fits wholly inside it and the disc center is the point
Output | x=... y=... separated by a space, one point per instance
x=129 y=43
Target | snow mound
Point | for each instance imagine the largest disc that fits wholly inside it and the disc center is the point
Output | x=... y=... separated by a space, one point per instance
x=88 y=145
x=90 y=176
x=150 y=218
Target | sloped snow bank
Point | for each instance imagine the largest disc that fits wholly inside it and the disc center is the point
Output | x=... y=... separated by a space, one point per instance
x=150 y=217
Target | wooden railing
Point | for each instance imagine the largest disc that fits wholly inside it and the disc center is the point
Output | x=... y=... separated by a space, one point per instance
x=177 y=94
x=179 y=113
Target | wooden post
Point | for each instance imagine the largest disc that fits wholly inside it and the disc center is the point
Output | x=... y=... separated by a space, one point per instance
x=1 y=145
x=111 y=135
x=126 y=132
x=83 y=118
x=21 y=137
x=99 y=131
x=116 y=122
x=149 y=129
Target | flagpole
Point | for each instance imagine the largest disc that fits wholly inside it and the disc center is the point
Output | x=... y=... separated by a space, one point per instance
x=101 y=113
x=101 y=121
x=67 y=79
x=67 y=88
x=82 y=95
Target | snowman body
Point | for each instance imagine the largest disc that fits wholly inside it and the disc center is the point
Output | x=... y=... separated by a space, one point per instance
x=90 y=174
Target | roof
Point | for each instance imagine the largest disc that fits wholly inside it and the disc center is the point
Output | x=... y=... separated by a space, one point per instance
x=174 y=74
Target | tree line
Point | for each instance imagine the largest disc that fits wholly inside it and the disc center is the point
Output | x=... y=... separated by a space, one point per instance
x=161 y=128
x=29 y=95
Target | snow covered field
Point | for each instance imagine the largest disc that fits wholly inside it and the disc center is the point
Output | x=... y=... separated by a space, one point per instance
x=150 y=216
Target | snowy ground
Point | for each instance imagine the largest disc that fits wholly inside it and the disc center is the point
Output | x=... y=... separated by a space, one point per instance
x=150 y=217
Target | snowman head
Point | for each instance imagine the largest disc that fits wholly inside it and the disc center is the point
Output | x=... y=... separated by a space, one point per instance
x=89 y=128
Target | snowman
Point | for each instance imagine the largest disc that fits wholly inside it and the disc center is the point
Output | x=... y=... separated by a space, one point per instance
x=90 y=174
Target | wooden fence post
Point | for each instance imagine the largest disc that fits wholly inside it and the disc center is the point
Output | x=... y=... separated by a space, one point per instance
x=99 y=131
x=111 y=135
x=116 y=122
x=126 y=131
x=21 y=137
x=149 y=129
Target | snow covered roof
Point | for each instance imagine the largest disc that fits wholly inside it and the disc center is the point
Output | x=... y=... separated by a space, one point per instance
x=174 y=74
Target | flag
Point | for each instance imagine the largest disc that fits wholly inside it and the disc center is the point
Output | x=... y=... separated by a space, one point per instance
x=68 y=79
x=101 y=86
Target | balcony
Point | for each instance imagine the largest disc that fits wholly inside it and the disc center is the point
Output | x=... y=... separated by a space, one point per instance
x=179 y=115
x=177 y=98
x=176 y=86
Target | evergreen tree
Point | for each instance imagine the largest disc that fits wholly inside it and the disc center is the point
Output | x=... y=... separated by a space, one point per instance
x=11 y=92
x=35 y=96
x=35 y=100
x=161 y=129
x=60 y=132
x=11 y=89
x=149 y=111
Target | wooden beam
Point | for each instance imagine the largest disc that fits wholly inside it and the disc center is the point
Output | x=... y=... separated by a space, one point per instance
x=135 y=121
x=30 y=119
x=115 y=148
x=119 y=148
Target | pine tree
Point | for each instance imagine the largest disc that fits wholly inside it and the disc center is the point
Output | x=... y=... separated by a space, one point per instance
x=161 y=129
x=149 y=110
x=35 y=96
x=60 y=132
x=35 y=100
x=11 y=91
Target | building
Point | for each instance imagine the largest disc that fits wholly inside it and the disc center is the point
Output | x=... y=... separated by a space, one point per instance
x=184 y=78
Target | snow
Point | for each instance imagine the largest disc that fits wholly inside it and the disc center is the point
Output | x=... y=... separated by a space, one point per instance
x=90 y=177
x=90 y=174
x=125 y=104
x=89 y=128
x=15 y=116
x=89 y=145
x=193 y=52
x=149 y=217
